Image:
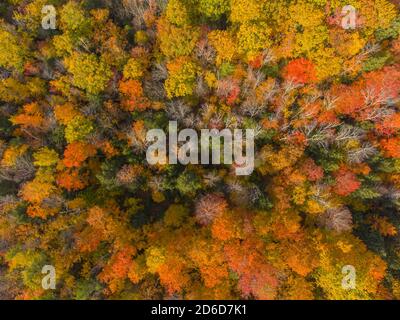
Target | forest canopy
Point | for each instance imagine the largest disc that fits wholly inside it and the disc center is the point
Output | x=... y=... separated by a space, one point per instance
x=319 y=87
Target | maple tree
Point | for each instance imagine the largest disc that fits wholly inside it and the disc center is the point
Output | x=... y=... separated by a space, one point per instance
x=300 y=71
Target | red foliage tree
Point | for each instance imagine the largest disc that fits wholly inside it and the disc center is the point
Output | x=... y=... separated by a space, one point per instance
x=256 y=276
x=300 y=71
x=313 y=172
x=72 y=180
x=391 y=146
x=346 y=182
x=77 y=152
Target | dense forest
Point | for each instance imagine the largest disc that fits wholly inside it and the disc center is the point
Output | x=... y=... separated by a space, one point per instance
x=319 y=83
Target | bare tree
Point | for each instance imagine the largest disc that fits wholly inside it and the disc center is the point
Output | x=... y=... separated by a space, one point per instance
x=135 y=9
x=337 y=219
x=361 y=154
x=329 y=101
x=348 y=132
x=154 y=90
x=205 y=52
x=211 y=178
x=22 y=170
x=317 y=134
x=156 y=183
x=201 y=88
x=369 y=50
x=268 y=56
x=159 y=72
x=181 y=112
x=253 y=80
x=225 y=87
x=208 y=207
x=251 y=107
x=7 y=201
